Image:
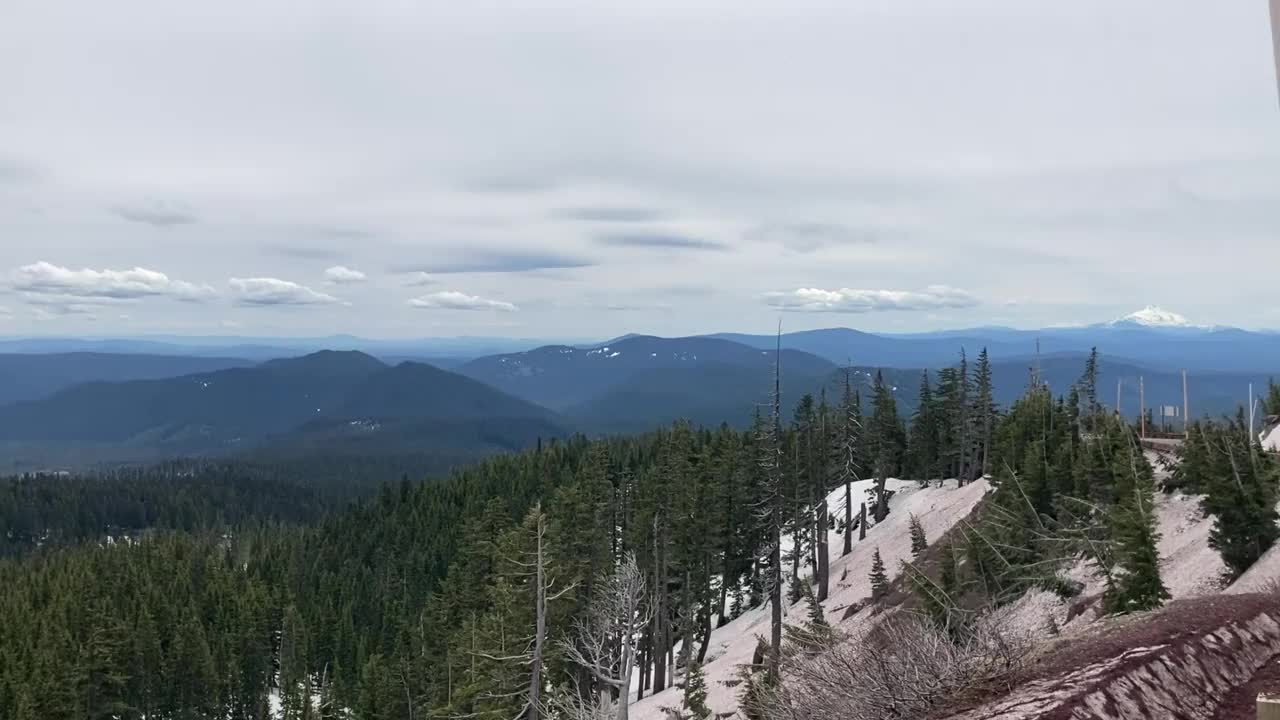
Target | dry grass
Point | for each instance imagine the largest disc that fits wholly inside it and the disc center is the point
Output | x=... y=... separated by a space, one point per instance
x=904 y=668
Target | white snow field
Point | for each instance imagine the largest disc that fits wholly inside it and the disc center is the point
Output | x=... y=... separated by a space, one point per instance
x=1188 y=567
x=938 y=508
x=1271 y=439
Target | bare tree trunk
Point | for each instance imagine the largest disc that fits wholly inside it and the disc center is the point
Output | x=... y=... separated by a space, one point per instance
x=824 y=560
x=772 y=463
x=862 y=522
x=540 y=630
x=848 y=517
x=660 y=645
x=775 y=597
x=686 y=625
x=881 y=509
x=706 y=635
x=797 y=542
x=644 y=668
x=722 y=612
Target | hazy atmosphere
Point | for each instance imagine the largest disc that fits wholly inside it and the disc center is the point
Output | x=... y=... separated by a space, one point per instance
x=755 y=360
x=431 y=168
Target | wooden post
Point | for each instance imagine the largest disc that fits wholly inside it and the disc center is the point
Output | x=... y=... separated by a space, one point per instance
x=1268 y=707
x=1118 y=382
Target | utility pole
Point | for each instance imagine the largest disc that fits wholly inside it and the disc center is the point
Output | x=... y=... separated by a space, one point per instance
x=1250 y=412
x=1275 y=37
x=1142 y=409
x=1186 y=411
x=1037 y=362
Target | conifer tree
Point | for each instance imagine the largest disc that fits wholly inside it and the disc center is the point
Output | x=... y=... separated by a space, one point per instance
x=919 y=543
x=879 y=580
x=1272 y=403
x=1240 y=494
x=101 y=677
x=947 y=579
x=695 y=693
x=1194 y=470
x=925 y=434
x=886 y=443
x=961 y=416
x=813 y=607
x=295 y=695
x=1088 y=384
x=1135 y=584
x=816 y=632
x=984 y=408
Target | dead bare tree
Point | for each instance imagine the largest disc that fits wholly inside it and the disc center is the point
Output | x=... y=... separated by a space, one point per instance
x=532 y=564
x=904 y=668
x=850 y=428
x=772 y=508
x=604 y=643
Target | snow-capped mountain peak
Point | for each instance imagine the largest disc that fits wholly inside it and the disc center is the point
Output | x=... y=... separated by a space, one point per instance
x=1152 y=316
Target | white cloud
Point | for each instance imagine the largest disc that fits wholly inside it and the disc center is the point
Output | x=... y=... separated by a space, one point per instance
x=847 y=300
x=274 y=291
x=46 y=279
x=454 y=300
x=418 y=279
x=341 y=275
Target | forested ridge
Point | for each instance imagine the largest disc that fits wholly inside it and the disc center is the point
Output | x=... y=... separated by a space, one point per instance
x=49 y=509
x=481 y=595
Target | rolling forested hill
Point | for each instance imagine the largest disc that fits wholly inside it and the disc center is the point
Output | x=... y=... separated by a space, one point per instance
x=30 y=376
x=297 y=402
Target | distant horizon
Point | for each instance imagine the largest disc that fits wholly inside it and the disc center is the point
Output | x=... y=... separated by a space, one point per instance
x=216 y=340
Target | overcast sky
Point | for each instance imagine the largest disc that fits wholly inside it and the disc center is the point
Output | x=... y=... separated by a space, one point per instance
x=421 y=168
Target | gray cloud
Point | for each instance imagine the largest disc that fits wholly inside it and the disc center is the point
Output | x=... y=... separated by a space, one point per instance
x=62 y=306
x=986 y=174
x=809 y=236
x=267 y=291
x=454 y=300
x=13 y=170
x=46 y=279
x=509 y=185
x=612 y=214
x=847 y=300
x=300 y=252
x=497 y=261
x=339 y=232
x=659 y=240
x=156 y=214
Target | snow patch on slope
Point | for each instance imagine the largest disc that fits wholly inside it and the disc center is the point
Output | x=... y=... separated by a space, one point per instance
x=1271 y=438
x=938 y=508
